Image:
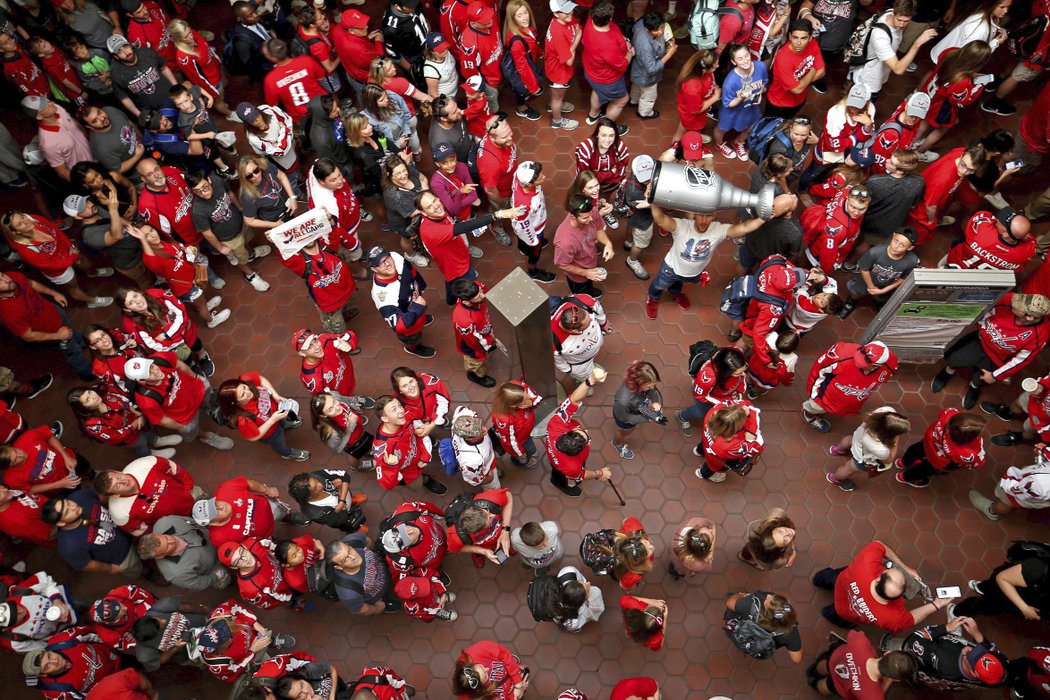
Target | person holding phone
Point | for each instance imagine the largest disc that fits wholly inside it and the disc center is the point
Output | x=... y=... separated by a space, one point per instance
x=482 y=529
x=253 y=407
x=489 y=670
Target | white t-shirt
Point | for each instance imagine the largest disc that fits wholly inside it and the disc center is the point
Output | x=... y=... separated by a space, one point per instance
x=866 y=448
x=691 y=250
x=973 y=28
x=881 y=47
x=531 y=225
x=589 y=611
x=447 y=77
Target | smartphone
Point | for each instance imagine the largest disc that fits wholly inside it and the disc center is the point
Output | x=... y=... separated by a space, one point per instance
x=668 y=32
x=1015 y=164
x=983 y=79
x=501 y=556
x=949 y=592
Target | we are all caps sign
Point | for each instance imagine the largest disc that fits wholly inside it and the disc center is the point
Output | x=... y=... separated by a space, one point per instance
x=292 y=236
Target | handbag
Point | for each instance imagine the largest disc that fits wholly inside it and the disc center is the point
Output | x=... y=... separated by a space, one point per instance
x=743 y=466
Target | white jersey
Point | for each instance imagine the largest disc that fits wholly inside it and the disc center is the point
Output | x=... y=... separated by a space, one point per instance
x=475 y=461
x=36 y=629
x=529 y=227
x=1028 y=486
x=802 y=316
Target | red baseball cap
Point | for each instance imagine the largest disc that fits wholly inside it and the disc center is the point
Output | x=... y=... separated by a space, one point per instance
x=226 y=550
x=302 y=338
x=872 y=354
x=692 y=145
x=354 y=19
x=480 y=11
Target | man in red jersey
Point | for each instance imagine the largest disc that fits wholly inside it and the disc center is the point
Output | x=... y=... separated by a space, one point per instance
x=473 y=327
x=399 y=453
x=258 y=573
x=843 y=378
x=114 y=614
x=942 y=180
x=855 y=671
x=20 y=70
x=569 y=445
x=329 y=283
x=416 y=542
x=831 y=231
x=70 y=665
x=559 y=60
x=166 y=202
x=895 y=134
x=148 y=27
x=999 y=242
x=293 y=82
x=356 y=47
x=453 y=19
x=327 y=366
x=1006 y=340
x=241 y=508
x=145 y=491
x=480 y=48
x=779 y=280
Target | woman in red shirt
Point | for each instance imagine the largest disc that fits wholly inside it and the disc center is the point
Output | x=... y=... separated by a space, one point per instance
x=108 y=416
x=40 y=244
x=200 y=65
x=952 y=443
x=160 y=323
x=645 y=620
x=951 y=88
x=424 y=396
x=489 y=670
x=383 y=72
x=519 y=35
x=633 y=552
x=253 y=407
x=342 y=429
x=513 y=418
x=606 y=57
x=719 y=380
x=697 y=91
x=732 y=436
x=110 y=350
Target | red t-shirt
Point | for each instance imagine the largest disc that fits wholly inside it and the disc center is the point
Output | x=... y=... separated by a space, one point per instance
x=942 y=179
x=124 y=685
x=57 y=66
x=450 y=252
x=984 y=248
x=328 y=279
x=789 y=68
x=496 y=166
x=355 y=52
x=293 y=84
x=629 y=602
x=734 y=30
x=28 y=310
x=21 y=519
x=514 y=429
x=488 y=538
x=1035 y=127
x=563 y=421
x=691 y=97
x=558 y=51
x=250 y=516
x=854 y=600
x=11 y=423
x=170 y=264
x=181 y=394
x=42 y=465
x=604 y=54
x=320 y=46
x=52 y=256
x=295 y=576
x=260 y=408
x=849 y=669
x=638 y=687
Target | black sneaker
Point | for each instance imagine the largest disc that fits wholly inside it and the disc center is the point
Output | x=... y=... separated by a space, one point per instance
x=423 y=351
x=849 y=267
x=434 y=486
x=573 y=491
x=819 y=86
x=1000 y=107
x=486 y=381
x=529 y=113
x=445 y=578
x=40 y=385
x=622 y=129
x=393 y=606
x=941 y=381
x=597 y=293
x=1008 y=439
x=207 y=367
x=1000 y=410
x=57 y=429
x=655 y=114
x=591 y=121
x=973 y=393
x=283 y=641
x=430 y=319
x=847 y=308
x=542 y=276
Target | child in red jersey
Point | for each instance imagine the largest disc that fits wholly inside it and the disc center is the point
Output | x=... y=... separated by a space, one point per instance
x=473 y=327
x=477 y=112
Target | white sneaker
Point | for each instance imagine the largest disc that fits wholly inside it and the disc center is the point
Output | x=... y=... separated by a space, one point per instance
x=928 y=156
x=218 y=318
x=565 y=124
x=100 y=302
x=946 y=221
x=259 y=251
x=165 y=453
x=366 y=216
x=168 y=441
x=704 y=138
x=213 y=303
x=232 y=259
x=219 y=283
x=257 y=282
x=912 y=67
x=217 y=441
x=232 y=117
x=101 y=272
x=475 y=252
x=417 y=260
x=637 y=268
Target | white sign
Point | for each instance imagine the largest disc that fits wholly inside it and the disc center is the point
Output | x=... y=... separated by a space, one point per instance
x=294 y=235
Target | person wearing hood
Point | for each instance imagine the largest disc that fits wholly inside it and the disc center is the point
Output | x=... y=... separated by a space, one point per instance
x=474 y=451
x=328 y=132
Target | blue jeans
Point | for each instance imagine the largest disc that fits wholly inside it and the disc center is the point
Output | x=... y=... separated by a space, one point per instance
x=530 y=450
x=668 y=281
x=73 y=348
x=277 y=441
x=471 y=274
x=697 y=411
x=142 y=447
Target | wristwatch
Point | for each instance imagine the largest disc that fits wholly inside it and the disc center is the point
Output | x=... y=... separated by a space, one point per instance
x=506 y=528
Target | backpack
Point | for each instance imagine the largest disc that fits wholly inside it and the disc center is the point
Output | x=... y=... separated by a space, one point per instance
x=739 y=293
x=386 y=525
x=555 y=302
x=299 y=46
x=762 y=135
x=542 y=588
x=856 y=51
x=510 y=70
x=700 y=352
x=472 y=161
x=1027 y=549
x=447 y=455
x=747 y=635
x=320 y=580
x=704 y=20
x=596 y=550
x=1024 y=41
x=230 y=58
x=459 y=504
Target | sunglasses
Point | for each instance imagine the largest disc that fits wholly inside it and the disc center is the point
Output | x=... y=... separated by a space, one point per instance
x=802 y=120
x=500 y=118
x=251 y=173
x=859 y=192
x=583 y=207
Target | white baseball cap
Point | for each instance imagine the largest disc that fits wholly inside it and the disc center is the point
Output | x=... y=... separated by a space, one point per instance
x=918 y=105
x=642 y=167
x=137 y=368
x=562 y=5
x=859 y=96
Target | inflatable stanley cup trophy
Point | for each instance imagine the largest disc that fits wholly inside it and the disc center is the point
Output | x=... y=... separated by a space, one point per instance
x=701 y=191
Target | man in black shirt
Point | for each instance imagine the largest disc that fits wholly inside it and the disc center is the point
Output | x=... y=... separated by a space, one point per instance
x=140 y=77
x=104 y=231
x=405 y=32
x=953 y=656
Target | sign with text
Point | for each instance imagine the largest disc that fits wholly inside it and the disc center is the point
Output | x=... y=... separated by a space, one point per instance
x=294 y=235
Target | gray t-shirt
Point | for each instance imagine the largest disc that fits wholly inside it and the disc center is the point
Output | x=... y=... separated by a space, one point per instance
x=125 y=253
x=113 y=147
x=884 y=269
x=776 y=236
x=92 y=23
x=142 y=82
x=459 y=136
x=401 y=203
x=544 y=555
x=270 y=204
x=197 y=121
x=891 y=200
x=218 y=212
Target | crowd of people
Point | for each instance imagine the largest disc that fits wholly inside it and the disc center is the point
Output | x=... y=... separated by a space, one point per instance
x=400 y=113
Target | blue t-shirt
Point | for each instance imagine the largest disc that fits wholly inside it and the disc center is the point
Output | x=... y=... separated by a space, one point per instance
x=97 y=538
x=373 y=577
x=745 y=114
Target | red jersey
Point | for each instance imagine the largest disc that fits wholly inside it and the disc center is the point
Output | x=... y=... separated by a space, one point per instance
x=27 y=310
x=21 y=519
x=178 y=396
x=169 y=262
x=168 y=210
x=250 y=517
x=410 y=451
x=1035 y=126
x=280 y=665
x=453 y=19
x=173 y=329
x=432 y=404
x=1037 y=672
x=789 y=68
x=11 y=424
x=264 y=586
x=259 y=409
x=854 y=600
x=830 y=232
x=126 y=685
x=480 y=53
x=563 y=421
x=477 y=114
x=942 y=179
x=90 y=662
x=946 y=99
x=421 y=596
x=347 y=214
x=425 y=557
x=849 y=669
x=450 y=251
x=58 y=69
x=522 y=48
x=706 y=388
x=986 y=249
x=604 y=54
x=43 y=464
x=610 y=167
x=473 y=329
x=514 y=429
x=391 y=687
x=1038 y=409
x=205 y=70
x=942 y=452
x=26 y=74
x=110 y=368
x=630 y=526
x=1009 y=344
x=894 y=135
x=782 y=371
x=558 y=51
x=718 y=450
x=355 y=52
x=293 y=84
x=164 y=488
x=691 y=98
x=841 y=134
x=334 y=372
x=52 y=256
x=115 y=426
x=496 y=166
x=629 y=602
x=137 y=601
x=838 y=386
x=489 y=537
x=762 y=318
x=328 y=279
x=153 y=33
x=231 y=663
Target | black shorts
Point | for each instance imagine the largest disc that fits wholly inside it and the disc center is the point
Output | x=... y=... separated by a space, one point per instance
x=362 y=447
x=969 y=353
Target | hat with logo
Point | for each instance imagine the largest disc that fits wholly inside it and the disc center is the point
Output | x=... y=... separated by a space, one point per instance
x=468 y=426
x=859 y=96
x=74 y=204
x=302 y=339
x=527 y=172
x=472 y=85
x=436 y=42
x=35 y=104
x=247 y=112
x=571 y=694
x=909 y=233
x=7 y=613
x=480 y=12
x=413 y=587
x=396 y=539
x=874 y=353
x=114 y=43
x=692 y=145
x=226 y=552
x=918 y=105
x=212 y=637
x=376 y=255
x=106 y=611
x=137 y=368
x=562 y=6
x=204 y=511
x=1030 y=305
x=642 y=167
x=987 y=666
x=442 y=150
x=1006 y=215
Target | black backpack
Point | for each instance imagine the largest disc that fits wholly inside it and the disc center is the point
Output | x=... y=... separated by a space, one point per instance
x=545 y=587
x=1021 y=550
x=459 y=504
x=747 y=635
x=699 y=353
x=321 y=581
x=597 y=551
x=1024 y=40
x=299 y=46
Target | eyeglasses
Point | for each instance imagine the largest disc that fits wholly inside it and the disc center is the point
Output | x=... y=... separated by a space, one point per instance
x=205 y=186
x=806 y=121
x=859 y=192
x=500 y=118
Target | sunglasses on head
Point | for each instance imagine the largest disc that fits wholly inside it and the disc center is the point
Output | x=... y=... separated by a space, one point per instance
x=583 y=207
x=500 y=118
x=802 y=120
x=859 y=192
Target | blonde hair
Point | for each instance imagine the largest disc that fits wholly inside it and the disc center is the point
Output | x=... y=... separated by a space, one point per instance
x=355 y=124
x=375 y=70
x=247 y=188
x=510 y=25
x=181 y=34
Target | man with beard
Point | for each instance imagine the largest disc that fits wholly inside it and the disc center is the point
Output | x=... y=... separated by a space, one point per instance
x=141 y=77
